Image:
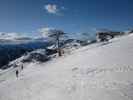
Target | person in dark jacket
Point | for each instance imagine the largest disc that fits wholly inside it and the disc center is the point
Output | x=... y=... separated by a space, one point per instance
x=22 y=67
x=17 y=73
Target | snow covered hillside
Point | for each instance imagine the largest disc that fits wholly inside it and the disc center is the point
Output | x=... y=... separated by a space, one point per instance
x=101 y=71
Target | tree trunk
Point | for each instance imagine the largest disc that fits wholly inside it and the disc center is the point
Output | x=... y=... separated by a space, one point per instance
x=58 y=46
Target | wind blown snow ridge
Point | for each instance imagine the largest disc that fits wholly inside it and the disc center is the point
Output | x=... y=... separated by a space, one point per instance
x=99 y=73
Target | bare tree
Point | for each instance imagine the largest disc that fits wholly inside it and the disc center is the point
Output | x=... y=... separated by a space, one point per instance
x=55 y=34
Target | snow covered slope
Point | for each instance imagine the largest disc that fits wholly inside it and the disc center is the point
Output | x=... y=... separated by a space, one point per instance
x=96 y=72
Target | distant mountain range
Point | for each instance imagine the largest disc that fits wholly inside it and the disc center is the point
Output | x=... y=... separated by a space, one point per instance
x=10 y=50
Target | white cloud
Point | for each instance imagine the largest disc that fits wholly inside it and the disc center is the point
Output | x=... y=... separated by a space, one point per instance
x=54 y=9
x=51 y=8
x=11 y=36
x=46 y=31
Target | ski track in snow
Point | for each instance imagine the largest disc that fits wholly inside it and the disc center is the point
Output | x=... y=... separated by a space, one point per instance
x=95 y=72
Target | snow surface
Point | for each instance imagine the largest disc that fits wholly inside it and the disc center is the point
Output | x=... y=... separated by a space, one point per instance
x=101 y=71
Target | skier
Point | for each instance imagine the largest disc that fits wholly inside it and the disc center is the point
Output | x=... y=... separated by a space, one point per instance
x=17 y=73
x=22 y=67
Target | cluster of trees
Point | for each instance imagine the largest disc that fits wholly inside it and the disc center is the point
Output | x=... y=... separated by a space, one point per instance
x=106 y=35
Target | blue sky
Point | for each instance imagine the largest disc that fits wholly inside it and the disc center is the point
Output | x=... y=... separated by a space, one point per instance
x=28 y=16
